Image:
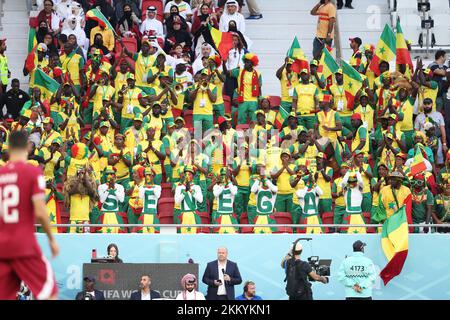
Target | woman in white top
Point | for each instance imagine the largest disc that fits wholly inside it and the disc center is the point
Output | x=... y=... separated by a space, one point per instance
x=189 y=285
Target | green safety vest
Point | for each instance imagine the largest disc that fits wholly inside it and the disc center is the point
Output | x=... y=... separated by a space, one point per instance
x=3 y=69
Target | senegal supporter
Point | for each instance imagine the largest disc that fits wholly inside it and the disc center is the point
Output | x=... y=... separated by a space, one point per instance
x=385 y=75
x=377 y=184
x=384 y=95
x=288 y=80
x=165 y=95
x=407 y=94
x=100 y=91
x=134 y=201
x=134 y=135
x=365 y=63
x=111 y=196
x=52 y=198
x=200 y=162
x=428 y=87
x=130 y=102
x=296 y=182
x=73 y=64
x=176 y=157
x=337 y=193
x=266 y=194
x=422 y=203
x=169 y=143
x=104 y=139
x=159 y=70
x=48 y=134
x=217 y=78
x=249 y=87
x=365 y=109
x=229 y=134
x=119 y=157
x=119 y=77
x=188 y=195
x=242 y=170
x=308 y=197
x=305 y=99
x=322 y=175
x=145 y=59
x=149 y=194
x=52 y=69
x=80 y=197
x=281 y=175
x=65 y=99
x=360 y=165
x=69 y=119
x=52 y=159
x=317 y=78
x=340 y=100
x=203 y=98
x=40 y=61
x=304 y=147
x=224 y=190
x=359 y=135
x=292 y=130
x=261 y=124
x=352 y=184
x=264 y=105
x=76 y=159
x=153 y=150
x=328 y=121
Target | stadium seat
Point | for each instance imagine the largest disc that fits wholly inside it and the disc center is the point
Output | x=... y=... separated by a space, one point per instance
x=166 y=190
x=412 y=27
x=159 y=8
x=406 y=6
x=244 y=220
x=187 y=115
x=242 y=127
x=130 y=44
x=227 y=104
x=205 y=217
x=165 y=210
x=275 y=101
x=283 y=218
x=441 y=29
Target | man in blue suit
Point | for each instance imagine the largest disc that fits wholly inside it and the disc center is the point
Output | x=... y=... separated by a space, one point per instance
x=145 y=293
x=221 y=276
x=89 y=292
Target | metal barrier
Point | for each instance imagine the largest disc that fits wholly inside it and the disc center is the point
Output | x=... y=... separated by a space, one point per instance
x=1 y=14
x=447 y=225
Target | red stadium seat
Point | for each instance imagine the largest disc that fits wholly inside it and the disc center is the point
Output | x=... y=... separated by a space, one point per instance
x=242 y=127
x=227 y=104
x=275 y=101
x=159 y=8
x=244 y=220
x=187 y=115
x=165 y=210
x=205 y=217
x=283 y=218
x=130 y=44
x=166 y=191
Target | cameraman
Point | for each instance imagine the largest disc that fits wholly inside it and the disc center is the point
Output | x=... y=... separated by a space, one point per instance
x=297 y=271
x=357 y=274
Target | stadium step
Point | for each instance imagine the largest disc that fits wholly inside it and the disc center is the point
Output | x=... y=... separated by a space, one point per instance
x=273 y=35
x=366 y=21
x=15 y=30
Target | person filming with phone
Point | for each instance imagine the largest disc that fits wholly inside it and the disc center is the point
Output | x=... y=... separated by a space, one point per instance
x=221 y=276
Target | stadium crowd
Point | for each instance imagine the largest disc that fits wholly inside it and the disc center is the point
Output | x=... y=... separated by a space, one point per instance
x=116 y=140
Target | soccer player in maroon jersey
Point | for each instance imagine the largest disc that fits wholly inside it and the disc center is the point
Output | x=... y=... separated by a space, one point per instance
x=22 y=201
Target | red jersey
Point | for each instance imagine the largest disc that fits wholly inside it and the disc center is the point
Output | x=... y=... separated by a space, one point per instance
x=20 y=183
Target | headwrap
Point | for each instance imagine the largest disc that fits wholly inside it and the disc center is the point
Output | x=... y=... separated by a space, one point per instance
x=256 y=90
x=79 y=151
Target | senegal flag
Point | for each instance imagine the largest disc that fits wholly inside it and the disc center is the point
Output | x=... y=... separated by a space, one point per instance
x=418 y=164
x=280 y=118
x=32 y=41
x=385 y=51
x=352 y=83
x=394 y=242
x=327 y=65
x=296 y=53
x=97 y=15
x=222 y=40
x=403 y=56
x=47 y=85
